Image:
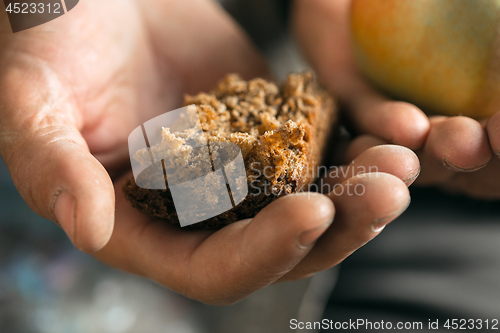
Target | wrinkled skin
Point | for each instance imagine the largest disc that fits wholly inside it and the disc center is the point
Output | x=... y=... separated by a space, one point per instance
x=73 y=89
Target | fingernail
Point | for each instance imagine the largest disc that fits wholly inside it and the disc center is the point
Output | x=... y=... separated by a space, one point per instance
x=307 y=238
x=450 y=166
x=411 y=179
x=64 y=210
x=379 y=224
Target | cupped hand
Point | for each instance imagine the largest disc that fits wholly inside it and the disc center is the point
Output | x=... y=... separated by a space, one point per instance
x=72 y=90
x=292 y=238
x=455 y=152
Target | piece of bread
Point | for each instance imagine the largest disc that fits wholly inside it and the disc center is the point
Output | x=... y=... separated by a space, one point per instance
x=282 y=135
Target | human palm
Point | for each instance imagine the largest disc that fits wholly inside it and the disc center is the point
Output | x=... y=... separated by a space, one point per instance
x=72 y=90
x=102 y=70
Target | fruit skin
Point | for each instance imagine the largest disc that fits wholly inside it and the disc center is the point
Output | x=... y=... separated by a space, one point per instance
x=442 y=55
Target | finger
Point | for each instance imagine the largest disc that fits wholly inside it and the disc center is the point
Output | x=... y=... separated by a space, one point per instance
x=224 y=266
x=364 y=204
x=455 y=144
x=460 y=143
x=396 y=160
x=493 y=130
x=61 y=181
x=397 y=122
x=483 y=184
x=322 y=29
x=49 y=161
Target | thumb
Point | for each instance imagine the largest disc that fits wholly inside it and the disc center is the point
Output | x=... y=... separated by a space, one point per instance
x=61 y=181
x=48 y=158
x=58 y=178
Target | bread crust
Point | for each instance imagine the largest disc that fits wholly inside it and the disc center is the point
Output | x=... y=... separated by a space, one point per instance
x=282 y=133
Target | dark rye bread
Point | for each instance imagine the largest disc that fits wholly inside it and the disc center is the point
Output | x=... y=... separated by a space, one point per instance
x=280 y=130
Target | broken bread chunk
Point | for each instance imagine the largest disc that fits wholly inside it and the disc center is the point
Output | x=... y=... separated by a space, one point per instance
x=281 y=134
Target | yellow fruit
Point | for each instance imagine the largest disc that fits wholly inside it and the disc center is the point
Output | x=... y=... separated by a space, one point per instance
x=442 y=55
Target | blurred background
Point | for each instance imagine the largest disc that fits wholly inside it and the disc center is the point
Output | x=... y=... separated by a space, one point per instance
x=441 y=259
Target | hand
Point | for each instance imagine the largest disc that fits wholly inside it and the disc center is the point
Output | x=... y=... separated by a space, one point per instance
x=455 y=152
x=72 y=90
x=292 y=238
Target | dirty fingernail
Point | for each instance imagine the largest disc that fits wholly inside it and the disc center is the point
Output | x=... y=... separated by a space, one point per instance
x=450 y=166
x=412 y=179
x=379 y=224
